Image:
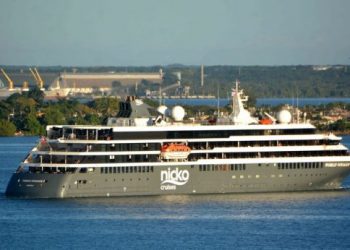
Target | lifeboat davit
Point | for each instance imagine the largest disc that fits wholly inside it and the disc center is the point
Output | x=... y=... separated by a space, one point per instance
x=175 y=151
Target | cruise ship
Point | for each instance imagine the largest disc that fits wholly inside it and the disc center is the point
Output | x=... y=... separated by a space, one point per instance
x=145 y=151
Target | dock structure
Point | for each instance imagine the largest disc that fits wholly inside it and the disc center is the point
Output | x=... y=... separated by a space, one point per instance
x=104 y=82
x=79 y=83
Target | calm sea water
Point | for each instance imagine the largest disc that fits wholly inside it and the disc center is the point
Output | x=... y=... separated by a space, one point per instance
x=259 y=102
x=304 y=220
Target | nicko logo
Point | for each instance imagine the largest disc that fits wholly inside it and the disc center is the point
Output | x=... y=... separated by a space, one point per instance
x=172 y=178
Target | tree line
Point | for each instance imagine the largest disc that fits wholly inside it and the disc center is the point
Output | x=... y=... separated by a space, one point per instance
x=29 y=114
x=270 y=81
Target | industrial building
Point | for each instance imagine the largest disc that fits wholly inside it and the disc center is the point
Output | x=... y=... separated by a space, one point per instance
x=63 y=84
x=87 y=83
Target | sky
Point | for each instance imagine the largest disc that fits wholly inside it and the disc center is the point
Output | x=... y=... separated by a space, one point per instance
x=162 y=32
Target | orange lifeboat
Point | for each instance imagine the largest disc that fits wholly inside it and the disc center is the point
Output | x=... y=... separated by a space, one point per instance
x=265 y=121
x=175 y=151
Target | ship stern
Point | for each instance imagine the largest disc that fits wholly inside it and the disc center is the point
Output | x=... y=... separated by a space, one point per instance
x=30 y=185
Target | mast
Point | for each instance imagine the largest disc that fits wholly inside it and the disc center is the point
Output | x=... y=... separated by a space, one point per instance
x=239 y=114
x=237 y=105
x=218 y=100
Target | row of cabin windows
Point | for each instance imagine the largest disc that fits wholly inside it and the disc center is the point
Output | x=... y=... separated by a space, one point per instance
x=299 y=165
x=85 y=134
x=192 y=145
x=206 y=133
x=80 y=134
x=52 y=170
x=114 y=147
x=257 y=176
x=235 y=167
x=211 y=145
x=191 y=157
x=125 y=170
x=266 y=154
x=222 y=167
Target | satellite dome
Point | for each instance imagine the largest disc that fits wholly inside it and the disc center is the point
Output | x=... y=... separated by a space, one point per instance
x=162 y=109
x=284 y=116
x=178 y=113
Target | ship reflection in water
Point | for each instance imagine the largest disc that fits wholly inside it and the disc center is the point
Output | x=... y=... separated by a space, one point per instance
x=231 y=200
x=272 y=207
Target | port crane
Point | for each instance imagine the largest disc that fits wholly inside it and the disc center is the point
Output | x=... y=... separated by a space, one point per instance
x=37 y=78
x=10 y=82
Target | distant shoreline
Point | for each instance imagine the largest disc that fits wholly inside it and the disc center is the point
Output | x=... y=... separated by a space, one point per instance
x=222 y=102
x=347 y=132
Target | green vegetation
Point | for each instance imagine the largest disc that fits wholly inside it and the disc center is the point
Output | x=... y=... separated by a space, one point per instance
x=28 y=113
x=340 y=125
x=7 y=128
x=268 y=81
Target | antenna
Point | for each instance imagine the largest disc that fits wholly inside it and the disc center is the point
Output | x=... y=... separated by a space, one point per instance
x=234 y=92
x=218 y=102
x=297 y=113
x=160 y=95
